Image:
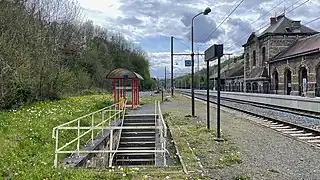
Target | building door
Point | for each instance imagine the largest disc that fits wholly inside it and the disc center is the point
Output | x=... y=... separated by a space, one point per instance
x=288 y=81
x=255 y=87
x=275 y=80
x=248 y=87
x=318 y=81
x=303 y=80
x=266 y=87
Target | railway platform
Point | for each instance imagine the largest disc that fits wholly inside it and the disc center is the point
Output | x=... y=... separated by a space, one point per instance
x=294 y=102
x=250 y=150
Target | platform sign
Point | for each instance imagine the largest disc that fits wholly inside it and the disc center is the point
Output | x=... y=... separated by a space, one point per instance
x=187 y=63
x=213 y=52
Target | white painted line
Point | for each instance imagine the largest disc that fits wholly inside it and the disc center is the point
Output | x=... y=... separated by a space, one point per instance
x=314 y=141
x=311 y=137
x=281 y=128
x=293 y=132
x=292 y=129
x=305 y=134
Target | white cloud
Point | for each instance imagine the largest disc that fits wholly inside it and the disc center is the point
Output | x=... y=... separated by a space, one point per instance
x=138 y=19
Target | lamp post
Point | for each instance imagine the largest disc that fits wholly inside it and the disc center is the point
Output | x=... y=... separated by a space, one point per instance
x=205 y=12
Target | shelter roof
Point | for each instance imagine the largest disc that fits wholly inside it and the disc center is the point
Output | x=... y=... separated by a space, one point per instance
x=121 y=72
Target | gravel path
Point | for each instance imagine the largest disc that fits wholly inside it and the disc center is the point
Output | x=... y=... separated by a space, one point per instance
x=265 y=153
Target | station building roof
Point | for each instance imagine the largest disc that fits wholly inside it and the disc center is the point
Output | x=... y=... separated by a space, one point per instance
x=301 y=47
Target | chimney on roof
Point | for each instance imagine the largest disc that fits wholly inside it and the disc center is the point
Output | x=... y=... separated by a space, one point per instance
x=280 y=16
x=296 y=23
x=296 y=26
x=273 y=20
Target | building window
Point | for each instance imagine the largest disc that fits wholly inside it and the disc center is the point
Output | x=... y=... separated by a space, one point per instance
x=247 y=59
x=263 y=54
x=254 y=61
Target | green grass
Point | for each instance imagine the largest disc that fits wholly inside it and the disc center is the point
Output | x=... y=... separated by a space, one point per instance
x=27 y=147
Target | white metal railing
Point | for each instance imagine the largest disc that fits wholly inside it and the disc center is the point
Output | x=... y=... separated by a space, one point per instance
x=114 y=113
x=163 y=132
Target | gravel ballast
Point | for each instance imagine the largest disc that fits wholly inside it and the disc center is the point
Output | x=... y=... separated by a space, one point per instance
x=265 y=153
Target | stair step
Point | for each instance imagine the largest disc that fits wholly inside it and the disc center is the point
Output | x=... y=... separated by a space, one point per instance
x=138 y=123
x=133 y=163
x=131 y=134
x=138 y=130
x=134 y=154
x=131 y=160
x=139 y=117
x=137 y=142
x=140 y=120
x=136 y=148
x=138 y=138
x=141 y=144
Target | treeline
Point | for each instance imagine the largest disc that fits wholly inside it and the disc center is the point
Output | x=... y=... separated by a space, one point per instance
x=47 y=50
x=200 y=78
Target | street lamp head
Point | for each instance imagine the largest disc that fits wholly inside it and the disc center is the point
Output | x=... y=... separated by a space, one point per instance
x=206 y=11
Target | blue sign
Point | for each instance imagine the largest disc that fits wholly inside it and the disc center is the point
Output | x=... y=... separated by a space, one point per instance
x=187 y=63
x=125 y=77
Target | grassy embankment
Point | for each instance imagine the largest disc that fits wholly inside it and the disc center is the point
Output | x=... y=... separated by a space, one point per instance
x=27 y=147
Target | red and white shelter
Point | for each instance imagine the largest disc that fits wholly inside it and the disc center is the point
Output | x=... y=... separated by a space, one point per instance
x=125 y=85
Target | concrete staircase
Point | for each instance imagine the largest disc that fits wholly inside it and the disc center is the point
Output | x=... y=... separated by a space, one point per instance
x=137 y=139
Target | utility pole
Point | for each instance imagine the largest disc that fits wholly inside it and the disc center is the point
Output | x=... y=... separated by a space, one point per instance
x=198 y=67
x=171 y=65
x=165 y=77
x=218 y=101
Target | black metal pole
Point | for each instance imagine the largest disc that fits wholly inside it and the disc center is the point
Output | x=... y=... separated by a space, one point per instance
x=165 y=78
x=208 y=103
x=171 y=65
x=162 y=95
x=218 y=100
x=192 y=72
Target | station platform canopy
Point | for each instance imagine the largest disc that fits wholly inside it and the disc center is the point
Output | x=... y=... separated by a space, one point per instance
x=125 y=86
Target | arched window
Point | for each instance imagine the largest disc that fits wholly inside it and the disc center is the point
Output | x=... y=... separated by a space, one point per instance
x=318 y=81
x=263 y=54
x=254 y=58
x=247 y=59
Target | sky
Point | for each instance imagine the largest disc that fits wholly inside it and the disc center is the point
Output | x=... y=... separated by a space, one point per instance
x=149 y=24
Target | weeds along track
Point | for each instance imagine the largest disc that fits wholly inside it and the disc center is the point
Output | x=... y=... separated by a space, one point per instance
x=301 y=125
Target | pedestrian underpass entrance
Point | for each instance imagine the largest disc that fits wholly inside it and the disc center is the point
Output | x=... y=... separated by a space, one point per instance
x=110 y=137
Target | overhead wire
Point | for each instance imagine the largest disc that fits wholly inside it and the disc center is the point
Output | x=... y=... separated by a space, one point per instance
x=298 y=6
x=179 y=40
x=262 y=27
x=312 y=20
x=234 y=9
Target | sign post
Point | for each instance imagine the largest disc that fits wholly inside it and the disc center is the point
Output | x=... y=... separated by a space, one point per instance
x=212 y=53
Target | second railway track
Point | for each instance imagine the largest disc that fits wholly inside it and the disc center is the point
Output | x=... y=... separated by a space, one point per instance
x=298 y=131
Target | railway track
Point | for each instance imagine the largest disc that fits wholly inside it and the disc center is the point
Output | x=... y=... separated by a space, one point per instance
x=297 y=131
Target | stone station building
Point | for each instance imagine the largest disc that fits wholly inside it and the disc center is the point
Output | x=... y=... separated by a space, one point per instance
x=283 y=59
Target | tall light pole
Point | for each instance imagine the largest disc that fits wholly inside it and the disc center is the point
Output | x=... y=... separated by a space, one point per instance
x=205 y=12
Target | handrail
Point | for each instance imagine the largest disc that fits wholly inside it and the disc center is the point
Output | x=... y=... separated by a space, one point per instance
x=75 y=120
x=93 y=126
x=163 y=132
x=117 y=146
x=113 y=147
